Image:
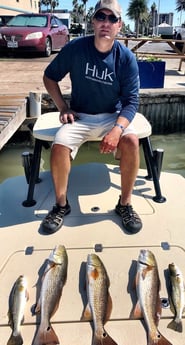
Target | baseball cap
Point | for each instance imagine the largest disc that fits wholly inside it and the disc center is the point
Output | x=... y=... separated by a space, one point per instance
x=111 y=5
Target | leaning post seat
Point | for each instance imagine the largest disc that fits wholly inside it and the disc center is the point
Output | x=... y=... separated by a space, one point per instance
x=45 y=129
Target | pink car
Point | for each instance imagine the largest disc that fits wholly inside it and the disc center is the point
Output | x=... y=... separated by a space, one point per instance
x=32 y=32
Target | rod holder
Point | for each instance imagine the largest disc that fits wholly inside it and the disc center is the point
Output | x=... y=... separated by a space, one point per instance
x=158 y=157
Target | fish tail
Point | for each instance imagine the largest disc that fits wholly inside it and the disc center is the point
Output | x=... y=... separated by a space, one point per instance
x=45 y=337
x=105 y=339
x=15 y=339
x=176 y=325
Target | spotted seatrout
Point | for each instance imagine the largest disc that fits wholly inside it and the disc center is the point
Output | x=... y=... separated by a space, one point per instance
x=99 y=302
x=149 y=304
x=177 y=297
x=54 y=278
x=17 y=303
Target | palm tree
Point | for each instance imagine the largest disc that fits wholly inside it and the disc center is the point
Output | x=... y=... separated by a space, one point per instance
x=180 y=5
x=135 y=10
x=153 y=11
x=79 y=13
x=84 y=2
x=85 y=14
x=88 y=18
x=52 y=3
x=144 y=21
x=75 y=4
x=45 y=3
x=74 y=12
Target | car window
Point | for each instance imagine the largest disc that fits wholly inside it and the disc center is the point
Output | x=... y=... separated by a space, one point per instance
x=4 y=20
x=59 y=22
x=40 y=21
x=53 y=21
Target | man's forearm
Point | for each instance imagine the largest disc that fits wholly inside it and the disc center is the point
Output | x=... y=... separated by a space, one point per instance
x=54 y=91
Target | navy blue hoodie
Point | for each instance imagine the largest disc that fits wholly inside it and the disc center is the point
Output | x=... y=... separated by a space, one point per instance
x=100 y=82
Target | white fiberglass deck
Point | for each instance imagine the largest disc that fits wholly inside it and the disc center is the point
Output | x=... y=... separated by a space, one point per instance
x=92 y=224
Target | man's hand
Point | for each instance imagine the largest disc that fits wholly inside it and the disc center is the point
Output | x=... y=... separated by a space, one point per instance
x=67 y=116
x=110 y=141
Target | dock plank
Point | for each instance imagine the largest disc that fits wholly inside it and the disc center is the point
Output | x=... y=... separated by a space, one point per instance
x=12 y=115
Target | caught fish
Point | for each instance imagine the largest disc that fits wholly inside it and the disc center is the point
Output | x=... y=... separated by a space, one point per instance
x=99 y=301
x=54 y=278
x=177 y=297
x=17 y=303
x=149 y=305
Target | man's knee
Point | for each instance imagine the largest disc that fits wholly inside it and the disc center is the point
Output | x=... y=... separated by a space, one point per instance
x=58 y=149
x=128 y=145
x=129 y=142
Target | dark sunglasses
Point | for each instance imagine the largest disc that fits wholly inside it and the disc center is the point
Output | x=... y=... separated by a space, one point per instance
x=101 y=17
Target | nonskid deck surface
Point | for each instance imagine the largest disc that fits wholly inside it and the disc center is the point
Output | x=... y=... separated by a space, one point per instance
x=91 y=227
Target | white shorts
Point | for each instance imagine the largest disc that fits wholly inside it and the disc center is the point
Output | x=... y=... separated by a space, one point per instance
x=87 y=128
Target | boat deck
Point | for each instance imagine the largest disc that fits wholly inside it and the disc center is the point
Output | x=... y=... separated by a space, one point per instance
x=92 y=226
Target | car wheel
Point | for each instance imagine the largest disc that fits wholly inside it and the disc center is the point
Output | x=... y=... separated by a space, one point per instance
x=48 y=47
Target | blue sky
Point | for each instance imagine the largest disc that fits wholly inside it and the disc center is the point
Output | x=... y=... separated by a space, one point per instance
x=165 y=6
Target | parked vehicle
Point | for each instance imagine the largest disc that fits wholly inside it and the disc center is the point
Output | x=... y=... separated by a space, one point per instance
x=130 y=34
x=42 y=33
x=4 y=19
x=165 y=30
x=179 y=35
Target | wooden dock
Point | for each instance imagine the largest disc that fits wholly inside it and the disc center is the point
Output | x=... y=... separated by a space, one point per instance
x=12 y=115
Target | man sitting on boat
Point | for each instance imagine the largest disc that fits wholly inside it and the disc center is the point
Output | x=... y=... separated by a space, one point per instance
x=104 y=100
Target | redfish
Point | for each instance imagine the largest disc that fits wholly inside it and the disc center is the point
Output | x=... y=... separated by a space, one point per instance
x=99 y=301
x=54 y=279
x=149 y=304
x=17 y=303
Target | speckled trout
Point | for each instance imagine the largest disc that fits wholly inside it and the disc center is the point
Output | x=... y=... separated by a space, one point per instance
x=17 y=303
x=177 y=297
x=149 y=304
x=54 y=278
x=99 y=301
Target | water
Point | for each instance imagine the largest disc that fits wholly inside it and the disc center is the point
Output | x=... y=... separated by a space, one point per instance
x=172 y=144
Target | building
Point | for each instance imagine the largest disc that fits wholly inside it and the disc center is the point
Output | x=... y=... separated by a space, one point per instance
x=161 y=18
x=158 y=20
x=14 y=7
x=166 y=18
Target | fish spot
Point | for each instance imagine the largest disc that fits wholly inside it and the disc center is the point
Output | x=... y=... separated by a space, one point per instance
x=48 y=329
x=21 y=288
x=94 y=274
x=104 y=334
